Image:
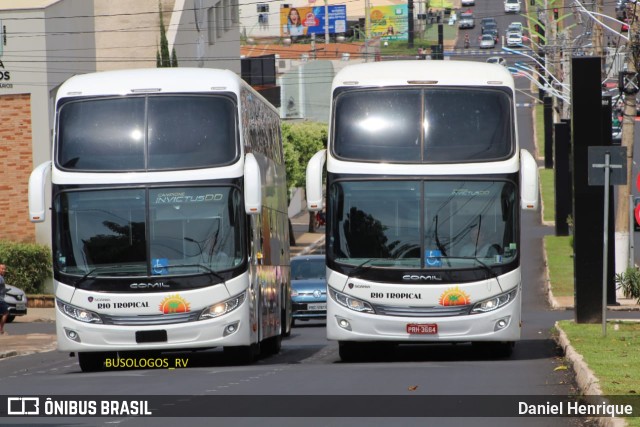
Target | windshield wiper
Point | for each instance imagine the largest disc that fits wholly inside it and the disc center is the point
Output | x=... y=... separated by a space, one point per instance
x=97 y=269
x=203 y=266
x=483 y=265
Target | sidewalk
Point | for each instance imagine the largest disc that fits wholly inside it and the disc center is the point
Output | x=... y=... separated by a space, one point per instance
x=21 y=344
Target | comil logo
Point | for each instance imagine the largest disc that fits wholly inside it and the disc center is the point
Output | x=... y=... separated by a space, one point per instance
x=23 y=406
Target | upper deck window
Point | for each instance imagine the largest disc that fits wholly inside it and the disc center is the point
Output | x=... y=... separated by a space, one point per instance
x=433 y=125
x=136 y=133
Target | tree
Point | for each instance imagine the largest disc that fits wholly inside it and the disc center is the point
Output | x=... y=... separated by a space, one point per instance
x=301 y=141
x=163 y=60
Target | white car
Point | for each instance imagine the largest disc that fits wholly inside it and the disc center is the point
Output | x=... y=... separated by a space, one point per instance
x=465 y=3
x=487 y=42
x=512 y=6
x=514 y=39
x=497 y=60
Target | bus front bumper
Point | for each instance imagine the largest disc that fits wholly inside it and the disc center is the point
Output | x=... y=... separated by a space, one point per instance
x=502 y=324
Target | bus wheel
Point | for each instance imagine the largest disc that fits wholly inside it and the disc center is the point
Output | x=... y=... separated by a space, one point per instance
x=242 y=354
x=271 y=345
x=91 y=362
x=286 y=329
x=10 y=318
x=350 y=351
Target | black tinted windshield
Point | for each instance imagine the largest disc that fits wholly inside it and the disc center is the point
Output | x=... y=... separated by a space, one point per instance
x=159 y=132
x=148 y=232
x=422 y=224
x=423 y=125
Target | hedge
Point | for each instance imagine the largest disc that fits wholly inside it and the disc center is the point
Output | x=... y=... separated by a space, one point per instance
x=28 y=265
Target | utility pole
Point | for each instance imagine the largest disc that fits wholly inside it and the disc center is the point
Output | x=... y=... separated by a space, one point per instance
x=367 y=28
x=629 y=87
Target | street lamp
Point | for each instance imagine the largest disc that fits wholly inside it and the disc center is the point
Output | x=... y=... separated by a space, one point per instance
x=537 y=62
x=546 y=88
x=525 y=67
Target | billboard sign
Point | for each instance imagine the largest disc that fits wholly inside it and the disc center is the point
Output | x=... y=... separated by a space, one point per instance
x=304 y=21
x=390 y=22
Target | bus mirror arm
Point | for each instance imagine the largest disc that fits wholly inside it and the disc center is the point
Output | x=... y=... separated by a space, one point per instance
x=315 y=167
x=37 y=182
x=252 y=185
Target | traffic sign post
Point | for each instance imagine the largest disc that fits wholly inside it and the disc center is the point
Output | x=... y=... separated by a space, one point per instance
x=613 y=171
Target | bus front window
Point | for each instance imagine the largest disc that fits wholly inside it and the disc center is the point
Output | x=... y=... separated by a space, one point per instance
x=148 y=232
x=462 y=223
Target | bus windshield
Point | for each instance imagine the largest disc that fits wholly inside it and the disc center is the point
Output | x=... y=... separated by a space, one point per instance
x=414 y=125
x=155 y=132
x=148 y=232
x=422 y=224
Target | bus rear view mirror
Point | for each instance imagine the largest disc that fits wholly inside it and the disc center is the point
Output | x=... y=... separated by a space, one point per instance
x=315 y=201
x=528 y=181
x=252 y=185
x=37 y=182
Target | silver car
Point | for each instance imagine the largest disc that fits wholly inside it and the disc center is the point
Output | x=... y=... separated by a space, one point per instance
x=17 y=302
x=487 y=42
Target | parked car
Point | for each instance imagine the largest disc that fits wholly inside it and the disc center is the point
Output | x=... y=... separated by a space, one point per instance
x=17 y=302
x=514 y=39
x=497 y=60
x=487 y=41
x=466 y=3
x=308 y=287
x=512 y=6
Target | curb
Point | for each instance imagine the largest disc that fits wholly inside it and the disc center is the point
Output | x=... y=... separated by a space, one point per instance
x=587 y=382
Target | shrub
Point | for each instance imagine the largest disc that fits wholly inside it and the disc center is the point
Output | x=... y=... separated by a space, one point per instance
x=629 y=281
x=28 y=265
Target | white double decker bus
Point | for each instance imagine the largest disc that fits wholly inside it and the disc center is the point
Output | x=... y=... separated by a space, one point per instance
x=169 y=215
x=424 y=184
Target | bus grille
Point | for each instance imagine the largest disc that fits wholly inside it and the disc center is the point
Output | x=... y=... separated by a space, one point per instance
x=436 y=311
x=153 y=319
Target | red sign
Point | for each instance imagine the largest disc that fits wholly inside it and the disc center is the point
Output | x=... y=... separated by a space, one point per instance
x=636 y=213
x=422 y=328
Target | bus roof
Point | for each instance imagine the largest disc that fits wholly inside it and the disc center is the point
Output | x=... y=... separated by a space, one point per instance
x=440 y=73
x=160 y=80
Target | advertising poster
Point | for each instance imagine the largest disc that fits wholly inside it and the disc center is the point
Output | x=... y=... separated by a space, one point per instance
x=304 y=21
x=390 y=22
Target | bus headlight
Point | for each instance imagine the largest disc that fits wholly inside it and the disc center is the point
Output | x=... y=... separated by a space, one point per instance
x=222 y=308
x=78 y=313
x=351 y=302
x=495 y=302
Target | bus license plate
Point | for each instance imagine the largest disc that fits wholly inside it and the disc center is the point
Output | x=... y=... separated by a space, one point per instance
x=316 y=307
x=422 y=328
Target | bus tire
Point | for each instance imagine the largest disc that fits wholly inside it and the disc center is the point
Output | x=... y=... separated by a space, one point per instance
x=271 y=345
x=10 y=318
x=350 y=351
x=286 y=328
x=91 y=362
x=242 y=354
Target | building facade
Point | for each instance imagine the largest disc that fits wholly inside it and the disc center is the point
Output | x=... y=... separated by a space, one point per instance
x=44 y=42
